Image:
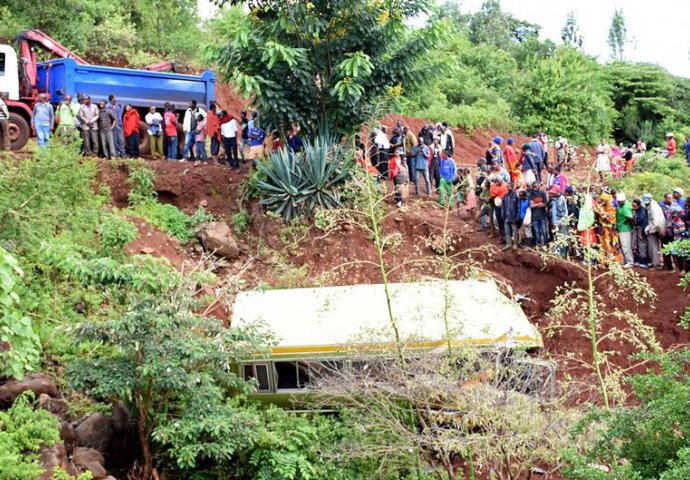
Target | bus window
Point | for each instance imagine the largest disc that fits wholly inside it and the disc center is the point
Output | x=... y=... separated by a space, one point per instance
x=287 y=375
x=262 y=378
x=2 y=64
x=294 y=375
x=259 y=372
x=303 y=375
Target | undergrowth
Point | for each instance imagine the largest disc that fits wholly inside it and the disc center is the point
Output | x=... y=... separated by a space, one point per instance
x=656 y=175
x=168 y=218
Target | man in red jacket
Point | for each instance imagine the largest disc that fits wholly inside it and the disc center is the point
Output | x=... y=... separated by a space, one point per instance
x=213 y=131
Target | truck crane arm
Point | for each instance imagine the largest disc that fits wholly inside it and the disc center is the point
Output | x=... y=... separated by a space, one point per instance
x=29 y=39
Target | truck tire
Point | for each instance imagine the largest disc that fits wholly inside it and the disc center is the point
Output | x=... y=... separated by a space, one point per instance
x=19 y=130
x=144 y=140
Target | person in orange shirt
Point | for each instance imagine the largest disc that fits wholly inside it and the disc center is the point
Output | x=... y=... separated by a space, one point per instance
x=512 y=162
x=213 y=131
x=497 y=191
x=670 y=144
x=130 y=127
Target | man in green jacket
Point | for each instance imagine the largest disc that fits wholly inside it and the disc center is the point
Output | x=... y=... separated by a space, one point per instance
x=624 y=216
x=66 y=114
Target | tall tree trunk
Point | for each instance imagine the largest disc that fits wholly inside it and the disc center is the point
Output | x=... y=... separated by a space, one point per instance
x=144 y=438
x=145 y=447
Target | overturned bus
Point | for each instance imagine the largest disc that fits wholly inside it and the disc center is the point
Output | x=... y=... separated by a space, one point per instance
x=338 y=328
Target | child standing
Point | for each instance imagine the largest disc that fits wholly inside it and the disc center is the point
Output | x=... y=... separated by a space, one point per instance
x=401 y=180
x=200 y=138
x=680 y=232
x=448 y=172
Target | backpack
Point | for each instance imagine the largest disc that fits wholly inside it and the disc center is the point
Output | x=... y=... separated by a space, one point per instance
x=155 y=127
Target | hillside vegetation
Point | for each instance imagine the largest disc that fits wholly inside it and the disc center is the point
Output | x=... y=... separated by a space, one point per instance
x=116 y=351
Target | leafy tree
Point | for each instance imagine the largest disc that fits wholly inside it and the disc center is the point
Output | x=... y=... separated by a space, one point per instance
x=110 y=30
x=570 y=33
x=168 y=27
x=294 y=447
x=494 y=27
x=641 y=93
x=567 y=95
x=21 y=347
x=324 y=63
x=618 y=35
x=23 y=431
x=173 y=366
x=648 y=440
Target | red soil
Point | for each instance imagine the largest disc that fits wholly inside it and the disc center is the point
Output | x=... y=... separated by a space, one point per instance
x=469 y=147
x=152 y=241
x=229 y=101
x=186 y=187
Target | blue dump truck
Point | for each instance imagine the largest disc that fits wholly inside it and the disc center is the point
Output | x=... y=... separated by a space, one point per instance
x=24 y=78
x=139 y=88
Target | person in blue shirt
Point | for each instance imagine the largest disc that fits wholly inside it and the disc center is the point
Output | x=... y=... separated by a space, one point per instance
x=679 y=197
x=539 y=156
x=294 y=141
x=687 y=150
x=118 y=132
x=421 y=154
x=43 y=120
x=448 y=171
x=523 y=206
x=559 y=220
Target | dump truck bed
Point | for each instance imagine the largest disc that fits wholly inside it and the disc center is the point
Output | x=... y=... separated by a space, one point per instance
x=140 y=88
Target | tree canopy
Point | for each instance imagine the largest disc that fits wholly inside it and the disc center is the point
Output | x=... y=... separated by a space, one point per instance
x=618 y=35
x=326 y=64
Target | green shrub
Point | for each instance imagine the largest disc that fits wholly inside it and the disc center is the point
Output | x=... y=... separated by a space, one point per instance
x=675 y=167
x=115 y=232
x=297 y=185
x=170 y=219
x=646 y=441
x=50 y=194
x=680 y=468
x=656 y=175
x=21 y=352
x=23 y=431
x=241 y=221
x=141 y=178
x=645 y=182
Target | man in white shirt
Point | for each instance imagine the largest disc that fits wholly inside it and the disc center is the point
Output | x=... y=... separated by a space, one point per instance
x=155 y=122
x=383 y=146
x=189 y=128
x=228 y=131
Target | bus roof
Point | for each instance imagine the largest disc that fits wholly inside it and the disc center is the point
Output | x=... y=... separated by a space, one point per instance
x=337 y=320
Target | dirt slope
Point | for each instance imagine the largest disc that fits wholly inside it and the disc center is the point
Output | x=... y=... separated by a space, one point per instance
x=317 y=257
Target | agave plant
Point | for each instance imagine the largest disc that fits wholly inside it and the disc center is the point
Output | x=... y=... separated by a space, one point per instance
x=296 y=185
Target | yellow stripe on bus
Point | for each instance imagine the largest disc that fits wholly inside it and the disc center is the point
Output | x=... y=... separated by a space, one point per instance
x=535 y=342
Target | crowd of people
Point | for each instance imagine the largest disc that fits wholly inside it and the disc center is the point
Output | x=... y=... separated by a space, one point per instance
x=111 y=130
x=519 y=194
x=524 y=197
